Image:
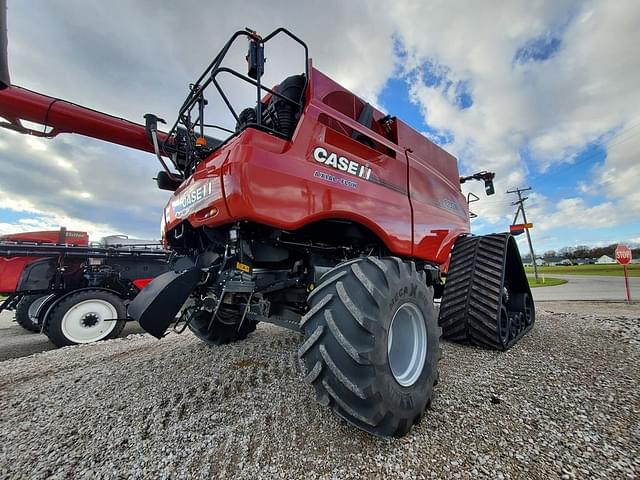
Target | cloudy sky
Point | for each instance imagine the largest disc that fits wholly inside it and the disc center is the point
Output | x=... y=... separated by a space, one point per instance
x=543 y=93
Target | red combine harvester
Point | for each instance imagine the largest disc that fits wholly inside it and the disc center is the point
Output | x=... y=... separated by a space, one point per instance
x=73 y=291
x=318 y=213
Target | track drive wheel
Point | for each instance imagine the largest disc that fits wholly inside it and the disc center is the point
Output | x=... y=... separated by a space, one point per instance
x=84 y=317
x=27 y=311
x=371 y=346
x=522 y=302
x=224 y=328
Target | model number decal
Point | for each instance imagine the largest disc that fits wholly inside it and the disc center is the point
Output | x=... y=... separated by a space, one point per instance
x=333 y=179
x=330 y=159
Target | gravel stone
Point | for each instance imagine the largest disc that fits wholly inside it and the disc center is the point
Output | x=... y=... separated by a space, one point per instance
x=137 y=407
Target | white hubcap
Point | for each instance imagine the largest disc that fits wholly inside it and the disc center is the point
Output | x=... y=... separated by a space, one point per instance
x=85 y=321
x=407 y=344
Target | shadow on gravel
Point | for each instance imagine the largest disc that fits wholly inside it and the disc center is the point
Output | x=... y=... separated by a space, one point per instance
x=16 y=342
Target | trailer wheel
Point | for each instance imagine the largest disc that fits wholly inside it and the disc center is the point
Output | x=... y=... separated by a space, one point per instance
x=83 y=317
x=27 y=311
x=371 y=346
x=224 y=328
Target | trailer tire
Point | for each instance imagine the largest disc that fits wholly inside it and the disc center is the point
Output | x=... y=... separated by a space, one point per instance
x=80 y=318
x=26 y=312
x=224 y=328
x=372 y=344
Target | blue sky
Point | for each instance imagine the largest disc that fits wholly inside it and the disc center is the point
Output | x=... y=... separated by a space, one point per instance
x=556 y=182
x=543 y=94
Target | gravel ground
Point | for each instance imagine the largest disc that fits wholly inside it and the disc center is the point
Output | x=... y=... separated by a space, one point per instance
x=564 y=403
x=16 y=342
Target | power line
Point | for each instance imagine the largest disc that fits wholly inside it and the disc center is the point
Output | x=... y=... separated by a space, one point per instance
x=520 y=203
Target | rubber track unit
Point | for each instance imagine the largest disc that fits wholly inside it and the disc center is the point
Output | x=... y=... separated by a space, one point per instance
x=475 y=300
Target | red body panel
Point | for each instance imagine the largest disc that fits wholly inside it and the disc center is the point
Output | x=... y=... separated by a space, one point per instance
x=140 y=283
x=11 y=268
x=402 y=187
x=411 y=200
x=66 y=237
x=10 y=271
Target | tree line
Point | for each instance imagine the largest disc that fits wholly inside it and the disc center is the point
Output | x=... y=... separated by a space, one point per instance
x=583 y=251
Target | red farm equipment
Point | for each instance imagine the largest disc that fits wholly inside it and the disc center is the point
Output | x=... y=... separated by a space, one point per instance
x=318 y=213
x=72 y=290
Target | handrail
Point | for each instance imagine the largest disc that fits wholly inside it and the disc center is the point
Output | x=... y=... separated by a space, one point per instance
x=209 y=77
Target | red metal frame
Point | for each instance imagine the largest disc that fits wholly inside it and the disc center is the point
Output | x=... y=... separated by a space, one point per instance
x=57 y=116
x=412 y=200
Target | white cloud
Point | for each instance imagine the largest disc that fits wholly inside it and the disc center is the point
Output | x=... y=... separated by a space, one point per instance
x=134 y=58
x=552 y=109
x=587 y=91
x=36 y=144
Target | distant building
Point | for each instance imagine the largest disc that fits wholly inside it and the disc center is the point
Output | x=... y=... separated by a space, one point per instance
x=605 y=259
x=552 y=261
x=584 y=261
x=540 y=262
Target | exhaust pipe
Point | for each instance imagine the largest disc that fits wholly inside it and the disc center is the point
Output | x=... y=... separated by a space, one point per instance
x=4 y=63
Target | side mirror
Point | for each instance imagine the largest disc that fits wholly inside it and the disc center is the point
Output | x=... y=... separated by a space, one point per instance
x=484 y=175
x=255 y=59
x=488 y=187
x=165 y=182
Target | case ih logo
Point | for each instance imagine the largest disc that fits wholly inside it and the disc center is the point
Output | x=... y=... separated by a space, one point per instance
x=343 y=164
x=193 y=196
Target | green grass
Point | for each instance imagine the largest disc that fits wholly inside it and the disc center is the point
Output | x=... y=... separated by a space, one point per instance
x=548 y=282
x=603 y=270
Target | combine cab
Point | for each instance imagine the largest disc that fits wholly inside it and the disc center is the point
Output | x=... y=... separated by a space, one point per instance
x=319 y=213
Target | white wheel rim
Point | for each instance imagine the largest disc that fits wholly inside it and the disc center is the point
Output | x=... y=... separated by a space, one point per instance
x=407 y=344
x=85 y=321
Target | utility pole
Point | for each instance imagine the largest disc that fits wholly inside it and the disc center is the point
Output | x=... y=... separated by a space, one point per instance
x=520 y=204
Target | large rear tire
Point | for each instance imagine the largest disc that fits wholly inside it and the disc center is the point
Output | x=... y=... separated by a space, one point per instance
x=84 y=317
x=27 y=311
x=371 y=346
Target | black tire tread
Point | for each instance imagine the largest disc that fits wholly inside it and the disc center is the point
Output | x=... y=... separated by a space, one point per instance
x=339 y=365
x=222 y=333
x=22 y=313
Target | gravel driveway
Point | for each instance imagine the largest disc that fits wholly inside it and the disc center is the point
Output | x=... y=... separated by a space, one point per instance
x=563 y=403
